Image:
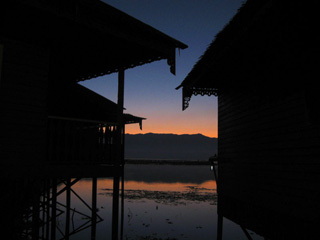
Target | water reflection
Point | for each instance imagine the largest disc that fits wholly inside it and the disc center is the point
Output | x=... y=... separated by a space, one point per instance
x=51 y=208
x=172 y=203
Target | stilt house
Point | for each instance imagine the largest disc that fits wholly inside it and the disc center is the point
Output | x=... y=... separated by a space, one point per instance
x=82 y=126
x=263 y=66
x=46 y=48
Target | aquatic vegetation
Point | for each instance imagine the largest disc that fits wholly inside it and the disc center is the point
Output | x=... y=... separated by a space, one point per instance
x=191 y=194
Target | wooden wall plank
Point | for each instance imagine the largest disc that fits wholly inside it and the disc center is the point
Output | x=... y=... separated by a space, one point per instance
x=23 y=103
x=268 y=151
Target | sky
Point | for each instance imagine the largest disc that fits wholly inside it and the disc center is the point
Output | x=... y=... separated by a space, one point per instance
x=150 y=89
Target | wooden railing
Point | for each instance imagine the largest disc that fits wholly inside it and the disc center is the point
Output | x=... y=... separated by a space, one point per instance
x=83 y=141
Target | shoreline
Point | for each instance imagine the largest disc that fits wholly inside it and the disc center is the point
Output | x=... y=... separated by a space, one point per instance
x=166 y=162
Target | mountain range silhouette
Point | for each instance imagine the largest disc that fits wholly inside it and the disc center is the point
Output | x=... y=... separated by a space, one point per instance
x=153 y=146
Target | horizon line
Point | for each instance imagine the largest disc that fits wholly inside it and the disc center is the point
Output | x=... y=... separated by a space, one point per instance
x=170 y=134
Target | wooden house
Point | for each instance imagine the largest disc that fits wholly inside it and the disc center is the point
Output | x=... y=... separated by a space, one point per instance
x=82 y=126
x=263 y=66
x=46 y=48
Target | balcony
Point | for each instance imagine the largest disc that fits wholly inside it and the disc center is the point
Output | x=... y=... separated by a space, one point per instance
x=82 y=127
x=79 y=141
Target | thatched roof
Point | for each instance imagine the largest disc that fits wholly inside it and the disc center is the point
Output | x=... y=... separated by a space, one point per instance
x=80 y=103
x=266 y=43
x=87 y=38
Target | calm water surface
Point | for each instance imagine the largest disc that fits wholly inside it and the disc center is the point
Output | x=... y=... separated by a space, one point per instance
x=160 y=202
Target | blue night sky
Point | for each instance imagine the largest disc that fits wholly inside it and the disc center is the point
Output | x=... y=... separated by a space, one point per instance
x=150 y=89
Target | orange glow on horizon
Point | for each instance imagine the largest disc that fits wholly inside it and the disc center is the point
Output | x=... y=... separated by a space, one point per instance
x=204 y=130
x=161 y=186
x=85 y=185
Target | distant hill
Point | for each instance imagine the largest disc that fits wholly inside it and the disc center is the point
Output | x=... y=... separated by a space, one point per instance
x=169 y=146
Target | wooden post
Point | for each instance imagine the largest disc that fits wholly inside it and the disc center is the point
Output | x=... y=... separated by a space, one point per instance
x=119 y=155
x=123 y=143
x=94 y=208
x=220 y=227
x=120 y=119
x=48 y=186
x=36 y=209
x=220 y=218
x=115 y=207
x=68 y=204
x=53 y=210
x=122 y=202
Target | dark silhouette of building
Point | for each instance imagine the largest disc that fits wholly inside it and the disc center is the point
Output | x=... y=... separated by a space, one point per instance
x=82 y=126
x=46 y=48
x=51 y=128
x=263 y=66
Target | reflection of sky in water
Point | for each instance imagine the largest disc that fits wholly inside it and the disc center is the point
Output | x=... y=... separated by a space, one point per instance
x=190 y=221
x=155 y=210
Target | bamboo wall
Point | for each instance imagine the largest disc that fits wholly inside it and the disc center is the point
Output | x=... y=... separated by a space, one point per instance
x=23 y=93
x=269 y=154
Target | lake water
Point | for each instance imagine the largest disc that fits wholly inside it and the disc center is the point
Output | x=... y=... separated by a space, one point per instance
x=158 y=202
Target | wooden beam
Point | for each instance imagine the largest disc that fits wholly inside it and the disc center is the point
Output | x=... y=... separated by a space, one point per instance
x=119 y=155
x=68 y=203
x=122 y=203
x=246 y=233
x=120 y=117
x=115 y=208
x=54 y=209
x=120 y=93
x=94 y=208
x=36 y=210
x=220 y=227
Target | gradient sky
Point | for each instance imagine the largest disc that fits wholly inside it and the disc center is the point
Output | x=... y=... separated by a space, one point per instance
x=150 y=89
